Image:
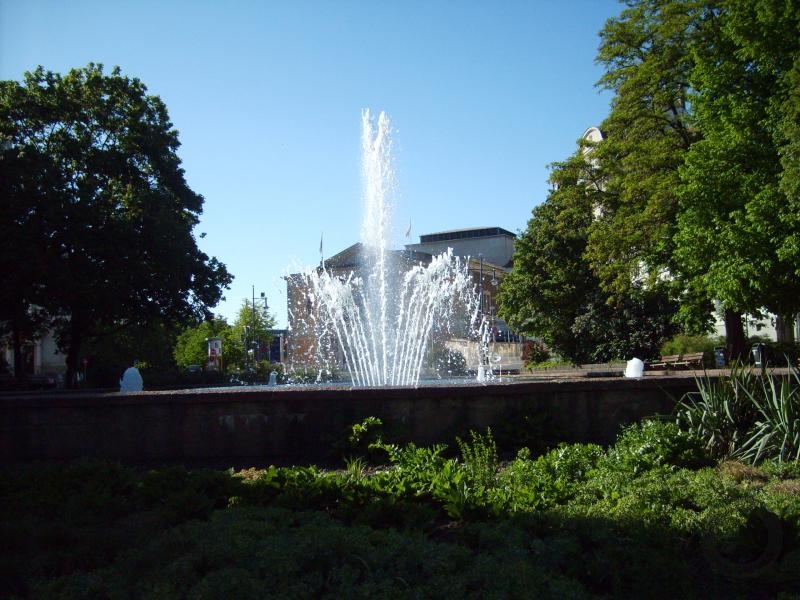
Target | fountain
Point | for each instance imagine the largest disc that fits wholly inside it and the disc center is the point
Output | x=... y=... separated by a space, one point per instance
x=380 y=318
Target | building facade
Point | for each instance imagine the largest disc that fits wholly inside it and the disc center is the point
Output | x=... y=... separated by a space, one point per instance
x=487 y=252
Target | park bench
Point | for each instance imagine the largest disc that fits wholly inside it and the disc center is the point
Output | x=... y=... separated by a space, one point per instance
x=679 y=361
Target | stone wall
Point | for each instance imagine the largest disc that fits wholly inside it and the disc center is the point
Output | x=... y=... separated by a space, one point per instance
x=261 y=425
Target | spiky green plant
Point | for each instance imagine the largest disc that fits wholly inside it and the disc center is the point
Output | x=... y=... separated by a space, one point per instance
x=776 y=431
x=721 y=411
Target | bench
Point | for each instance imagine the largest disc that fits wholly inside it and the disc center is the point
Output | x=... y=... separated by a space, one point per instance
x=677 y=361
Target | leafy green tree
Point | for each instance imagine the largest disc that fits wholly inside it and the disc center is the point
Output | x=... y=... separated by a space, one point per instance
x=553 y=293
x=108 y=212
x=646 y=53
x=249 y=337
x=738 y=229
x=191 y=345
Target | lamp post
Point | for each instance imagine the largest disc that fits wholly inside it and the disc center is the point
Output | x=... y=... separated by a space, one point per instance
x=254 y=340
x=480 y=284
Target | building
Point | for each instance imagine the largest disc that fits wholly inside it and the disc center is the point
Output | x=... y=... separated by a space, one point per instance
x=494 y=244
x=39 y=357
x=488 y=252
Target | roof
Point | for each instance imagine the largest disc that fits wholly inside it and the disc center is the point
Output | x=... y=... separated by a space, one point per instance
x=350 y=257
x=462 y=234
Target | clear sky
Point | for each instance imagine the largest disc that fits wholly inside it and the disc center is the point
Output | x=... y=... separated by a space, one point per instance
x=267 y=97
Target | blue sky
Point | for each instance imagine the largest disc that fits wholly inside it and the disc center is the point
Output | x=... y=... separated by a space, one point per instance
x=267 y=98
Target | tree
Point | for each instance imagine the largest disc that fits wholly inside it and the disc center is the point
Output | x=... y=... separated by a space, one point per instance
x=24 y=177
x=553 y=293
x=191 y=345
x=650 y=53
x=738 y=234
x=109 y=212
x=249 y=336
x=646 y=52
x=149 y=346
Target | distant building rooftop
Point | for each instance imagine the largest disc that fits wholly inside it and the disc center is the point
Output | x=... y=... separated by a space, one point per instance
x=464 y=234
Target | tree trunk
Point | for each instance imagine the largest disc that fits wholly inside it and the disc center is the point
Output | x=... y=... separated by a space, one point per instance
x=73 y=354
x=784 y=328
x=16 y=340
x=734 y=334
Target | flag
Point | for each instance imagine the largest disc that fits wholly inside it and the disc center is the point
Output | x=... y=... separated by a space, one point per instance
x=408 y=231
x=320 y=244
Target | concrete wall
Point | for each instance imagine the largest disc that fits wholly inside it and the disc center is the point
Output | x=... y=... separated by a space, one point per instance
x=256 y=426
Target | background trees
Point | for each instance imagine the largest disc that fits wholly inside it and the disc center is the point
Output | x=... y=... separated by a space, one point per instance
x=96 y=193
x=553 y=292
x=191 y=346
x=647 y=56
x=738 y=225
x=695 y=188
x=245 y=343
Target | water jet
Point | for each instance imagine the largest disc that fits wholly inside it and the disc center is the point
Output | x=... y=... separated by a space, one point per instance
x=380 y=316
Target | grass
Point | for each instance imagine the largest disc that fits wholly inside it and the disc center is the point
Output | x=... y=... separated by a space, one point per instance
x=651 y=516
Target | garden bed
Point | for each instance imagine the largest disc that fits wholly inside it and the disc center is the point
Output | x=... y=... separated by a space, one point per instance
x=651 y=516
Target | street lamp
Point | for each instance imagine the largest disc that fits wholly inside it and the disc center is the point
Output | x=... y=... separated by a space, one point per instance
x=480 y=284
x=264 y=309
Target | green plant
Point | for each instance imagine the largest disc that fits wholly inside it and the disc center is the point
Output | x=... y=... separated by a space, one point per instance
x=534 y=354
x=655 y=443
x=480 y=460
x=265 y=368
x=311 y=375
x=747 y=415
x=776 y=431
x=448 y=362
x=365 y=433
x=720 y=412
x=683 y=344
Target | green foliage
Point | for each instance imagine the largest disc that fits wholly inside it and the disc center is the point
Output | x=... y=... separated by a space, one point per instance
x=720 y=412
x=479 y=459
x=750 y=415
x=646 y=53
x=366 y=433
x=776 y=431
x=448 y=362
x=311 y=375
x=683 y=344
x=191 y=345
x=107 y=212
x=554 y=293
x=736 y=232
x=654 y=444
x=576 y=522
x=534 y=353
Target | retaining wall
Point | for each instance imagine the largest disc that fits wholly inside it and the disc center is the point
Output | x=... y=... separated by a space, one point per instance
x=262 y=425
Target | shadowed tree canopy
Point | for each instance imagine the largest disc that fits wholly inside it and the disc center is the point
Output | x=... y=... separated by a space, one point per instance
x=94 y=186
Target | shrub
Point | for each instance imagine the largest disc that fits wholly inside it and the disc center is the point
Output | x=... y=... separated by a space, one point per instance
x=311 y=375
x=656 y=443
x=747 y=415
x=449 y=363
x=534 y=353
x=720 y=412
x=684 y=344
x=265 y=368
x=776 y=431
